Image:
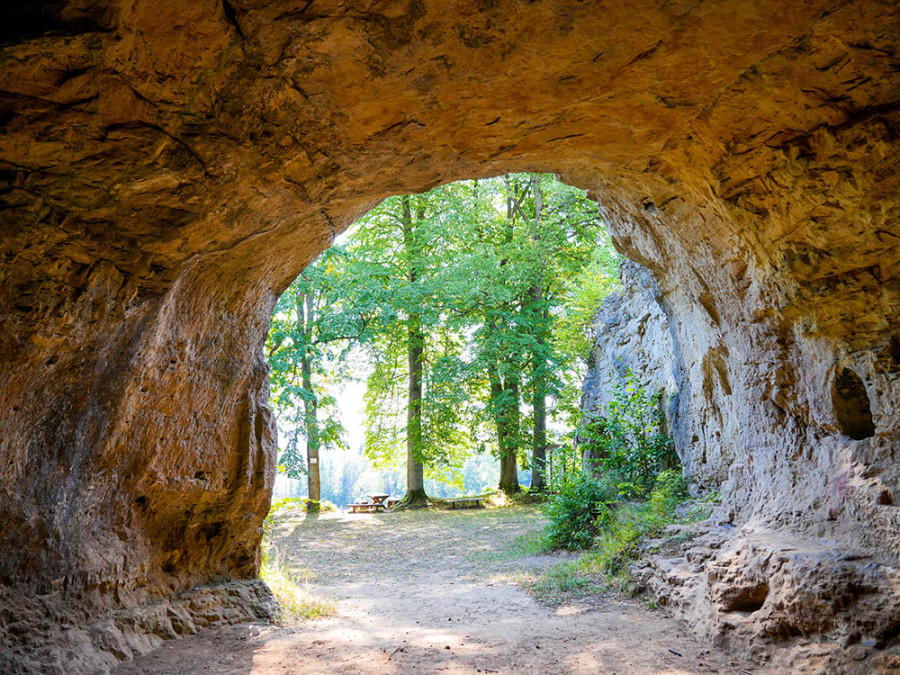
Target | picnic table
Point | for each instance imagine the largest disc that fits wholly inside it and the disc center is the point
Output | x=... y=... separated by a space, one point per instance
x=380 y=501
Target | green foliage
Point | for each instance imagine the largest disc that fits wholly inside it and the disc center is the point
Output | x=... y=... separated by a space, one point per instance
x=628 y=440
x=314 y=322
x=476 y=275
x=578 y=498
x=623 y=526
x=583 y=294
x=620 y=527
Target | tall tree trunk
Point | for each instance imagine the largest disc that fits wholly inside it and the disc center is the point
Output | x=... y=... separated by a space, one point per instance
x=415 y=349
x=415 y=468
x=311 y=412
x=539 y=358
x=505 y=404
x=539 y=439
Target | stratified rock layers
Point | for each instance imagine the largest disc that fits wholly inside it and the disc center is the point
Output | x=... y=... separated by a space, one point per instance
x=167 y=168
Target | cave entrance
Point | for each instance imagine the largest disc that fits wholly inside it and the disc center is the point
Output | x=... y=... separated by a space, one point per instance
x=438 y=348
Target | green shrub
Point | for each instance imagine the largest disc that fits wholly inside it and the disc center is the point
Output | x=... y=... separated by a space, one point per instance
x=624 y=526
x=669 y=491
x=619 y=526
x=628 y=439
x=578 y=497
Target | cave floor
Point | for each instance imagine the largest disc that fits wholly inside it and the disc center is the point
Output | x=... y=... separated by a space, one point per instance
x=436 y=591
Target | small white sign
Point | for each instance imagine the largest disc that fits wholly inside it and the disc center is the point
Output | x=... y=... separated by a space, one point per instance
x=313 y=460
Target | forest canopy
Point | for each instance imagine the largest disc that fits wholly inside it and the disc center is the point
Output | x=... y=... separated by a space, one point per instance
x=471 y=307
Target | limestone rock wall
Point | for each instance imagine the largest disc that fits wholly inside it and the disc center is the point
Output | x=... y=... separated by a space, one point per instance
x=779 y=595
x=631 y=333
x=167 y=167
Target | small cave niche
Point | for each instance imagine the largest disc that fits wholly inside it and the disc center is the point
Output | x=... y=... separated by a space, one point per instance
x=851 y=405
x=749 y=598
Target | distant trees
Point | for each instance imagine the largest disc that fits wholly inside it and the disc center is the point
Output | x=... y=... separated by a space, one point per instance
x=315 y=321
x=406 y=249
x=471 y=302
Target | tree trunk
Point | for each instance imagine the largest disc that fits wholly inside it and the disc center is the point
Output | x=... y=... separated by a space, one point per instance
x=311 y=416
x=539 y=441
x=539 y=359
x=415 y=469
x=505 y=397
x=415 y=349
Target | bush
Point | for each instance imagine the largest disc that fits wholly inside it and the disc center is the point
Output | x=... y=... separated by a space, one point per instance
x=628 y=439
x=623 y=527
x=578 y=498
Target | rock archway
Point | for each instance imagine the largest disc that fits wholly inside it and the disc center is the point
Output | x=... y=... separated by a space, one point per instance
x=168 y=167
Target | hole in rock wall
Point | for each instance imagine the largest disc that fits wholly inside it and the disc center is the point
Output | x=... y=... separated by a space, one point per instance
x=851 y=405
x=748 y=598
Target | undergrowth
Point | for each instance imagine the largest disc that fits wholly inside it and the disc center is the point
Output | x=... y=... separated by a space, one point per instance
x=616 y=532
x=292 y=591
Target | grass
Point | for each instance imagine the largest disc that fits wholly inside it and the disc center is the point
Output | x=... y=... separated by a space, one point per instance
x=606 y=566
x=293 y=594
x=521 y=546
x=563 y=583
x=476 y=543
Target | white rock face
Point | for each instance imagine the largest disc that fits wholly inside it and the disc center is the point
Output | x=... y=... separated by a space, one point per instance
x=632 y=333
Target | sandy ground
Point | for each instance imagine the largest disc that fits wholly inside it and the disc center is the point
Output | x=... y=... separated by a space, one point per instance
x=436 y=592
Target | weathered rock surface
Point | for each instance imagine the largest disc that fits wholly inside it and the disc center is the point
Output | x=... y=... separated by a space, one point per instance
x=777 y=596
x=799 y=604
x=166 y=168
x=98 y=646
x=632 y=333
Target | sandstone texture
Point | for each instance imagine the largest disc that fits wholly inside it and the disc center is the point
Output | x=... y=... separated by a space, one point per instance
x=167 y=168
x=98 y=646
x=778 y=595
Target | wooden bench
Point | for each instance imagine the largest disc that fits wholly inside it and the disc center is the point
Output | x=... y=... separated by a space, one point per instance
x=366 y=507
x=392 y=501
x=466 y=503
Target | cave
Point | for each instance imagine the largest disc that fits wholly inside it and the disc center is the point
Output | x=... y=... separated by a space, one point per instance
x=851 y=405
x=167 y=168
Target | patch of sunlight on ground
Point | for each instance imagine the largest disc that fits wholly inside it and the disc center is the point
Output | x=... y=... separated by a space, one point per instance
x=297 y=602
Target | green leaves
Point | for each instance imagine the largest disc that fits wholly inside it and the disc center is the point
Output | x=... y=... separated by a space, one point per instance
x=493 y=282
x=629 y=439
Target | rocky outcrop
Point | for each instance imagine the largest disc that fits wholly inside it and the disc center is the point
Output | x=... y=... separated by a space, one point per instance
x=632 y=333
x=98 y=646
x=763 y=590
x=166 y=168
x=796 y=604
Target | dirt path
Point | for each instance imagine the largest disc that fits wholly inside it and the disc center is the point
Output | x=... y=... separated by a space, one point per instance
x=435 y=592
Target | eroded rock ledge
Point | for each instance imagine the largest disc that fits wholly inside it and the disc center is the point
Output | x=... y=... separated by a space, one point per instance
x=167 y=167
x=96 y=647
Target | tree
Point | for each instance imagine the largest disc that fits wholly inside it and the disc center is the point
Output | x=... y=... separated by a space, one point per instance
x=405 y=239
x=518 y=257
x=315 y=315
x=464 y=290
